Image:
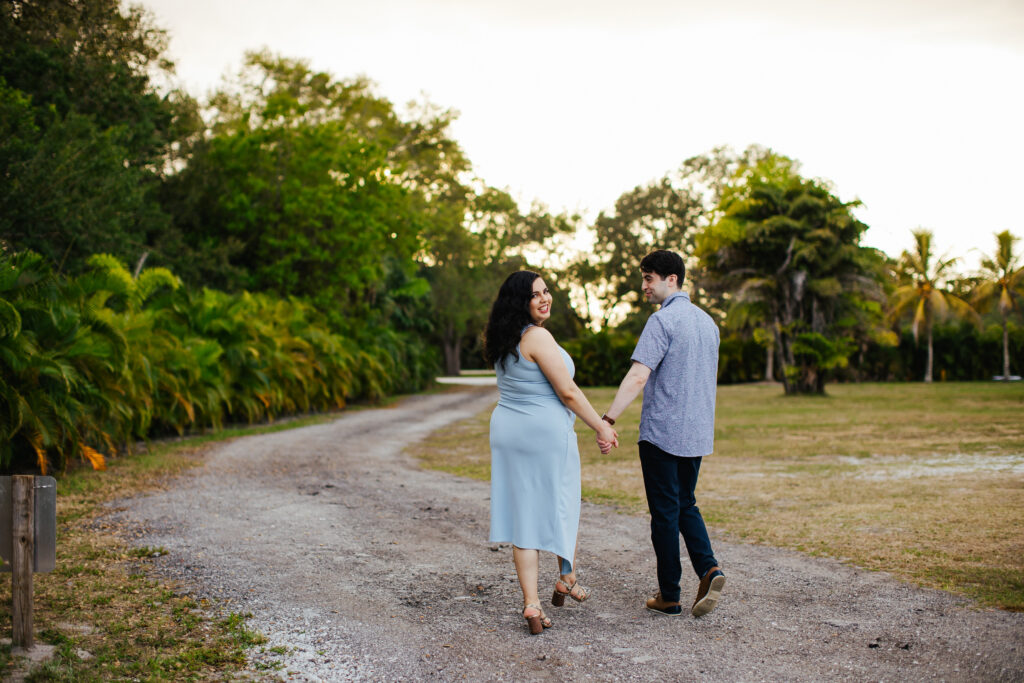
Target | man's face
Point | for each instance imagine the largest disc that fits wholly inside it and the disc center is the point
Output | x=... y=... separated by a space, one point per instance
x=657 y=288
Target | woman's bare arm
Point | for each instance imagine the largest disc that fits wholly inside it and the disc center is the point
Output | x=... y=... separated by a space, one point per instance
x=540 y=347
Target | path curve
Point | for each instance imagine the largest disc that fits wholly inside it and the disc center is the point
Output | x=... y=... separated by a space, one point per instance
x=365 y=566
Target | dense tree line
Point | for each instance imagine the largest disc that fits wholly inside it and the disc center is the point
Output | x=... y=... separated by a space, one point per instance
x=303 y=237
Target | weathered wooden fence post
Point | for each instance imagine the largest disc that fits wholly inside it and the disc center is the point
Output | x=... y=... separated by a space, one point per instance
x=23 y=553
x=28 y=543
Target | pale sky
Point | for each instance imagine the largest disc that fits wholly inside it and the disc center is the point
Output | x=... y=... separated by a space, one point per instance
x=916 y=107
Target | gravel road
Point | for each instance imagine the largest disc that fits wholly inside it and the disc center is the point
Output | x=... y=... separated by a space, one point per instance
x=363 y=566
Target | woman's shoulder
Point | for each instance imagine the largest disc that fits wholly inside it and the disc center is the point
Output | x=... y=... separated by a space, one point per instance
x=535 y=339
x=537 y=333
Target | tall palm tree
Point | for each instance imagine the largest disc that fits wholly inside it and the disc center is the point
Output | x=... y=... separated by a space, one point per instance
x=1003 y=286
x=921 y=292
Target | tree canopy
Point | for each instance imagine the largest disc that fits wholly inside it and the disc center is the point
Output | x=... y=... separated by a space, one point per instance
x=793 y=247
x=86 y=133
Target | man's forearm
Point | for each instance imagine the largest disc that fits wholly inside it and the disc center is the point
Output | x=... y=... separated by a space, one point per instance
x=630 y=387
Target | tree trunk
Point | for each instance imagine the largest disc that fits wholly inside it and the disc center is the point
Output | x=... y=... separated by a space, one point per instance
x=928 y=365
x=769 y=364
x=781 y=340
x=452 y=352
x=1006 y=352
x=138 y=266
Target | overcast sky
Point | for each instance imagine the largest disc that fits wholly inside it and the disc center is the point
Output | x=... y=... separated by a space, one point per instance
x=914 y=107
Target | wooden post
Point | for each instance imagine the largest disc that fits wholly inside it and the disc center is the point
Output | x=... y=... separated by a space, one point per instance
x=23 y=500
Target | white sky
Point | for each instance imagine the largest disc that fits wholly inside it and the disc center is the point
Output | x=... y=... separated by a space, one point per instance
x=916 y=107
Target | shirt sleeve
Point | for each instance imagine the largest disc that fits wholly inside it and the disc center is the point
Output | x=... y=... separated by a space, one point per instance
x=652 y=345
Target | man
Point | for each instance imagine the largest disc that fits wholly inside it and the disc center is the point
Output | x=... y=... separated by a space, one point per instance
x=676 y=359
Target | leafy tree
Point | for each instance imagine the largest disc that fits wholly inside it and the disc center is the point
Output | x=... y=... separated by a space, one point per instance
x=467 y=261
x=922 y=295
x=753 y=315
x=312 y=186
x=86 y=136
x=663 y=214
x=65 y=189
x=1002 y=286
x=653 y=216
x=97 y=60
x=788 y=249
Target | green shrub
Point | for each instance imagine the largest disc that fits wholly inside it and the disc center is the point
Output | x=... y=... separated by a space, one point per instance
x=92 y=364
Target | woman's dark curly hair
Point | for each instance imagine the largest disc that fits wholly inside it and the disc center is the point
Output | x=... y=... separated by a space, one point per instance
x=509 y=315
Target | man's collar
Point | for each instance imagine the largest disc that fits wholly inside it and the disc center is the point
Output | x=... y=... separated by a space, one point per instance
x=672 y=297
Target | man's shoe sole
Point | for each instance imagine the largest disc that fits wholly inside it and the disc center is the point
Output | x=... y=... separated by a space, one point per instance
x=667 y=614
x=708 y=602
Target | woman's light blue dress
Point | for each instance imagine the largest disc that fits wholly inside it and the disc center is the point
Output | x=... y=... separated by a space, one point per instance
x=535 y=463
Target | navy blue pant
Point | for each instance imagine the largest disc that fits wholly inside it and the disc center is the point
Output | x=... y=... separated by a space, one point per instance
x=670 y=481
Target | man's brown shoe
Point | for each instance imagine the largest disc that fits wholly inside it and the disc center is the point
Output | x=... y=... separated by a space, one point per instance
x=666 y=607
x=707 y=593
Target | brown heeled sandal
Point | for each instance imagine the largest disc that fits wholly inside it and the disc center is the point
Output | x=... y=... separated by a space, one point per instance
x=575 y=591
x=537 y=622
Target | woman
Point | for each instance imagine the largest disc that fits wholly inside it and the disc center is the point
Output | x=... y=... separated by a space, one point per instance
x=535 y=461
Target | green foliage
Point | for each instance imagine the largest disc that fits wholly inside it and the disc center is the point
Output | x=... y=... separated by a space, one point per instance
x=312 y=186
x=922 y=293
x=84 y=137
x=666 y=213
x=1002 y=287
x=66 y=189
x=602 y=358
x=786 y=253
x=97 y=362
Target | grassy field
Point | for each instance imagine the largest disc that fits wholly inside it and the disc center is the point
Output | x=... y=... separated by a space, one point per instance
x=923 y=481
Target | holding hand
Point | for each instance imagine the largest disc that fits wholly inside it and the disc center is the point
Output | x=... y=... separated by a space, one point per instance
x=606 y=438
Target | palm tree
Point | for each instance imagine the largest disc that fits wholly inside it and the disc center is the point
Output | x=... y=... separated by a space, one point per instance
x=1003 y=285
x=922 y=292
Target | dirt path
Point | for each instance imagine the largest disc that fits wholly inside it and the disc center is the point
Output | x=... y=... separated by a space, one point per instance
x=364 y=566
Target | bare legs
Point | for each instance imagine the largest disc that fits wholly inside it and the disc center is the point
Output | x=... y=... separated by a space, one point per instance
x=527 y=563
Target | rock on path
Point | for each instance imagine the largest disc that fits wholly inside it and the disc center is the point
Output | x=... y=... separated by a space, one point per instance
x=360 y=565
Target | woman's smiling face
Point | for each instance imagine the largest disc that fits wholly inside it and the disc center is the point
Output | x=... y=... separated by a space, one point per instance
x=540 y=302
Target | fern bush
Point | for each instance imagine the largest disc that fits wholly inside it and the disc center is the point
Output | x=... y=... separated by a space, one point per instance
x=91 y=365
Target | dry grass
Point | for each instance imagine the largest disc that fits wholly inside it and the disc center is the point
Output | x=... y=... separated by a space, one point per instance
x=108 y=618
x=923 y=481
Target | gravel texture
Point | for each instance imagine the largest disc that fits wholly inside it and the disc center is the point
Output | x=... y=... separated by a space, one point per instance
x=356 y=564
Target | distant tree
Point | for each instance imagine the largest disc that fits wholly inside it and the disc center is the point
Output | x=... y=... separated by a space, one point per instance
x=665 y=213
x=1002 y=286
x=467 y=263
x=652 y=216
x=313 y=186
x=788 y=250
x=752 y=316
x=922 y=293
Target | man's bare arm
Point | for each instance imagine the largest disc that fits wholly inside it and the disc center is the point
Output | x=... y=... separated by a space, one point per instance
x=630 y=387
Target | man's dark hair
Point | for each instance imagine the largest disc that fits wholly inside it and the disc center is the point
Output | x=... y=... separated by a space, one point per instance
x=664 y=263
